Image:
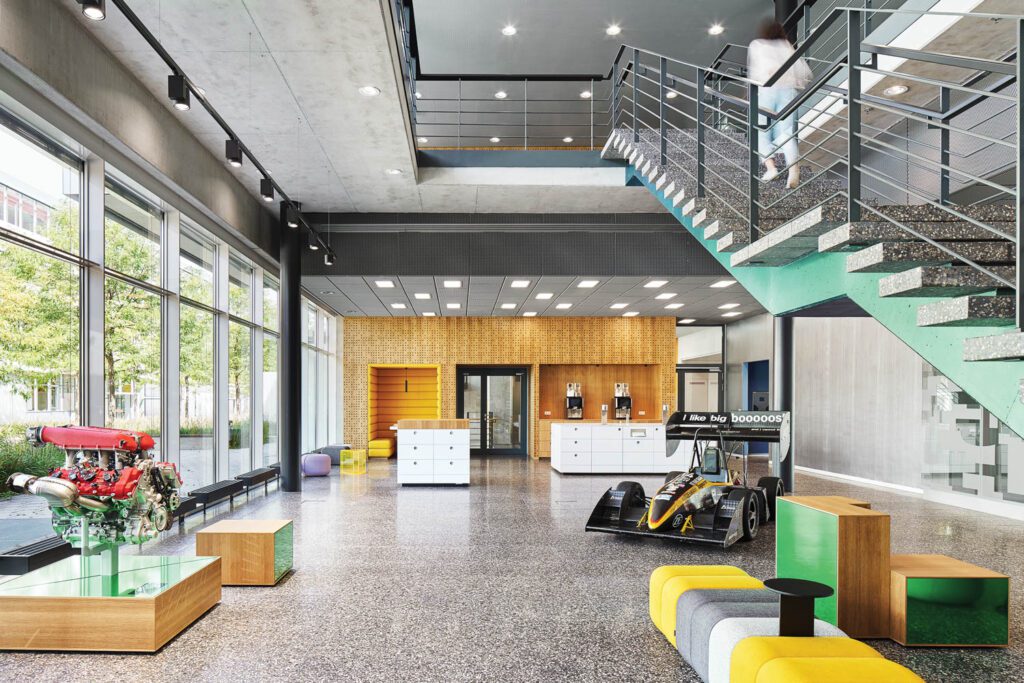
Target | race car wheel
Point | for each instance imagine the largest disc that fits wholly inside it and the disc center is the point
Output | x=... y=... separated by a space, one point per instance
x=750 y=516
x=632 y=497
x=773 y=489
x=671 y=475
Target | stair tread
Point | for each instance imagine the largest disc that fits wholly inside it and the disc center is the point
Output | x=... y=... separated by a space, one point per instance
x=968 y=311
x=1006 y=346
x=893 y=257
x=788 y=242
x=856 y=235
x=942 y=281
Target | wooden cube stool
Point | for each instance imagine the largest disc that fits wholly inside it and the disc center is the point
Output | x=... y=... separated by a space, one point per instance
x=253 y=552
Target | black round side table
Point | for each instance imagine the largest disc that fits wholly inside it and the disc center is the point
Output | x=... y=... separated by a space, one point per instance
x=796 y=604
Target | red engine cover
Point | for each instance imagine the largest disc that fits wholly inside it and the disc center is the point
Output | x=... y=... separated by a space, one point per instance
x=96 y=482
x=96 y=439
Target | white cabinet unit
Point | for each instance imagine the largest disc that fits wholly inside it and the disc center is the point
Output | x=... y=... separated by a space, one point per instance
x=614 y=448
x=433 y=455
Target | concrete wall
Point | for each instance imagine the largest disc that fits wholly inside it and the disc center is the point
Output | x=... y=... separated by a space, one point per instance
x=54 y=66
x=858 y=401
x=747 y=340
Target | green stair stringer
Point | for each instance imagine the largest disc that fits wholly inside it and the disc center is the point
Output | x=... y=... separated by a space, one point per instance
x=822 y=277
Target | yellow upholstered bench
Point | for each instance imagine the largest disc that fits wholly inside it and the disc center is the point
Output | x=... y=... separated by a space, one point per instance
x=381 y=448
x=662 y=574
x=835 y=670
x=751 y=654
x=677 y=585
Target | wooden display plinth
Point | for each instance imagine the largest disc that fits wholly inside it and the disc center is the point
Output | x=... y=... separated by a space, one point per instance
x=72 y=605
x=253 y=552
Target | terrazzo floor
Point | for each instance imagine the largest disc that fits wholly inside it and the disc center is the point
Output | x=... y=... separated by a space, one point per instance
x=495 y=582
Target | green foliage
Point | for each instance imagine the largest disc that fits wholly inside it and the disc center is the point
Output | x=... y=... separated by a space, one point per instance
x=17 y=455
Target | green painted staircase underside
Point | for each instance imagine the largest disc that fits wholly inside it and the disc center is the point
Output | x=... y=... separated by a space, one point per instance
x=819 y=277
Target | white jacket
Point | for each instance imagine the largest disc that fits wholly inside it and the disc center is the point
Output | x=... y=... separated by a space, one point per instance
x=764 y=57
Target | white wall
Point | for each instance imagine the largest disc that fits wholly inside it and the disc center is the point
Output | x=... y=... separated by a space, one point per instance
x=701 y=344
x=746 y=341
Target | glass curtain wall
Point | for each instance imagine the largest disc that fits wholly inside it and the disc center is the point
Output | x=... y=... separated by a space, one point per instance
x=320 y=410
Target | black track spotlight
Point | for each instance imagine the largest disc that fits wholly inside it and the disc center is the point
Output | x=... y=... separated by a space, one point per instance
x=233 y=152
x=177 y=91
x=94 y=9
x=292 y=217
x=267 y=189
x=314 y=242
x=329 y=258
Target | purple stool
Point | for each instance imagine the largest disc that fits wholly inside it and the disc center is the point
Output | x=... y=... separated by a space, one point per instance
x=316 y=464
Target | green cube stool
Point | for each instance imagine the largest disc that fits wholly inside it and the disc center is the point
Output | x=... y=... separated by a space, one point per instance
x=939 y=601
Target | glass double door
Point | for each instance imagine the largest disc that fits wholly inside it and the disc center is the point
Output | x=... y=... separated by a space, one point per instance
x=495 y=402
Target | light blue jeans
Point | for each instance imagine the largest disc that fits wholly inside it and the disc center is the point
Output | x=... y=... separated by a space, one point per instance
x=783 y=133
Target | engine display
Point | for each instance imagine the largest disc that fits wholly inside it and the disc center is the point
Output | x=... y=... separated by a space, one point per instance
x=110 y=490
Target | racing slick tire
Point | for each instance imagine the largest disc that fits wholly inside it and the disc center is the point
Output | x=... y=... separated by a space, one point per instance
x=750 y=518
x=632 y=496
x=773 y=489
x=671 y=475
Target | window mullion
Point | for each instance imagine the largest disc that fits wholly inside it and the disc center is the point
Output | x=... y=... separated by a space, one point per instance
x=92 y=372
x=170 y=345
x=220 y=364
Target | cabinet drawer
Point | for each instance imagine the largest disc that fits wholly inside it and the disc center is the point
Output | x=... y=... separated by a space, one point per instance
x=575 y=443
x=414 y=467
x=415 y=450
x=451 y=437
x=574 y=430
x=451 y=467
x=637 y=446
x=418 y=436
x=606 y=446
x=643 y=432
x=415 y=479
x=450 y=450
x=606 y=462
x=576 y=462
x=606 y=432
x=638 y=462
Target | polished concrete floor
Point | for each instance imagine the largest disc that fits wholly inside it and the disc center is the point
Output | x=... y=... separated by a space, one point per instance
x=495 y=582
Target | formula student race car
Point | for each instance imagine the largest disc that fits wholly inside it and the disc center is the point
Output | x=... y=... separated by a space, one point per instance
x=709 y=503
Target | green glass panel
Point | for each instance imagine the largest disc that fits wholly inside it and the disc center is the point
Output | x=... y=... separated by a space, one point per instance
x=130 y=576
x=952 y=611
x=282 y=551
x=806 y=547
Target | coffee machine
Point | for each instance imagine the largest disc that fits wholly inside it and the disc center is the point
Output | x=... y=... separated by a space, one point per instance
x=573 y=401
x=623 y=403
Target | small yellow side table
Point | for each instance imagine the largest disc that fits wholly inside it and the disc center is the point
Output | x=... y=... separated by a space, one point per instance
x=352 y=461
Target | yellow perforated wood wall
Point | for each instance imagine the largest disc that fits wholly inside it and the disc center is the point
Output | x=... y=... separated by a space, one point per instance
x=410 y=392
x=449 y=342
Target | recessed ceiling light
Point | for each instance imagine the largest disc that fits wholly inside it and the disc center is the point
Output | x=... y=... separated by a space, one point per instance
x=500 y=95
x=529 y=314
x=619 y=305
x=563 y=306
x=654 y=284
x=393 y=171
x=520 y=284
x=673 y=307
x=715 y=30
x=587 y=284
x=453 y=305
x=586 y=94
x=665 y=295
x=419 y=95
x=369 y=91
x=613 y=30
x=421 y=295
x=630 y=314
x=726 y=307
x=687 y=321
x=722 y=283
x=671 y=95
x=894 y=90
x=428 y=314
x=508 y=30
x=543 y=296
x=384 y=284
x=398 y=306
x=495 y=139
x=422 y=140
x=567 y=139
x=453 y=284
x=731 y=314
x=508 y=307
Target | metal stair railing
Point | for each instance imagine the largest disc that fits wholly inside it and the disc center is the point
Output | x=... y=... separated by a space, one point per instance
x=837 y=140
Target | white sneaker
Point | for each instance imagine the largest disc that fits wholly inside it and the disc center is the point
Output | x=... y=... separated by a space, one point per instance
x=794 y=177
x=770 y=175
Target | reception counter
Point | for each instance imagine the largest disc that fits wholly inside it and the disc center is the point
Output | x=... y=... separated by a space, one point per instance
x=613 y=448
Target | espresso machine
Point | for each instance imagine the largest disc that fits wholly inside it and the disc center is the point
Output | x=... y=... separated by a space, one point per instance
x=573 y=401
x=623 y=403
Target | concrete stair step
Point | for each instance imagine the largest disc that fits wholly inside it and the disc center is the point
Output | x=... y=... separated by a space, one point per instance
x=790 y=241
x=895 y=257
x=1006 y=346
x=853 y=236
x=985 y=213
x=943 y=281
x=733 y=241
x=968 y=311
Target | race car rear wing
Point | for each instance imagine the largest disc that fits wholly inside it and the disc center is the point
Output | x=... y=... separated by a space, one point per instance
x=751 y=426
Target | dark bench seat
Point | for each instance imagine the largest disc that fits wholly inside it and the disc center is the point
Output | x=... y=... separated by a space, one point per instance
x=32 y=556
x=260 y=475
x=207 y=495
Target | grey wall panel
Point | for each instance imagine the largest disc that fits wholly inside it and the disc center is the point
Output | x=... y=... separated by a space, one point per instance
x=358 y=254
x=576 y=253
x=858 y=400
x=746 y=341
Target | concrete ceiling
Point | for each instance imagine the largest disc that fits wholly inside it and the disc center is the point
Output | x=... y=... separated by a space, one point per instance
x=285 y=75
x=484 y=296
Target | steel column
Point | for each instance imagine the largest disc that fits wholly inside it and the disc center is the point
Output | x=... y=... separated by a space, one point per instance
x=853 y=93
x=526 y=114
x=944 y=149
x=662 y=84
x=636 y=69
x=291 y=356
x=700 y=132
x=592 y=114
x=784 y=376
x=754 y=161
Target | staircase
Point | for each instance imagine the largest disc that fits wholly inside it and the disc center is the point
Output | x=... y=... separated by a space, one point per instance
x=940 y=275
